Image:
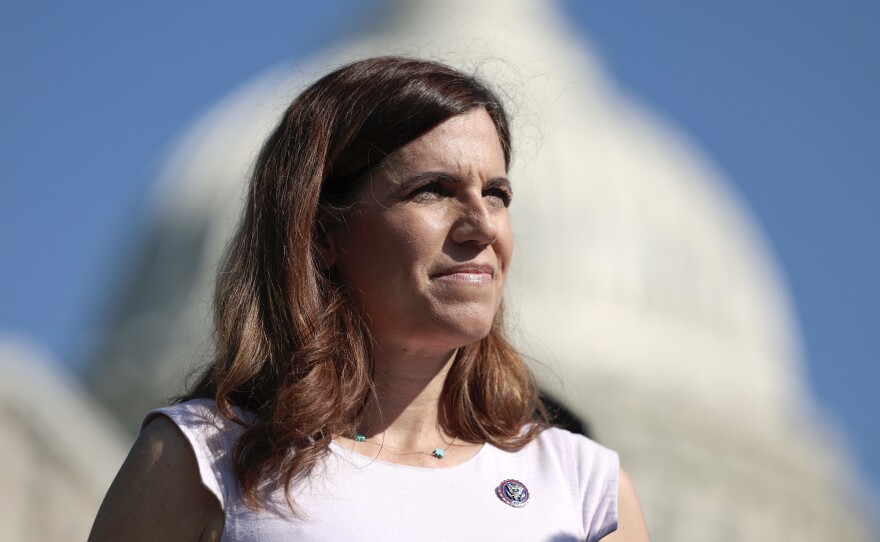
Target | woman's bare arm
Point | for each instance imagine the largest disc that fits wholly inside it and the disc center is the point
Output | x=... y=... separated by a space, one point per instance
x=157 y=494
x=630 y=521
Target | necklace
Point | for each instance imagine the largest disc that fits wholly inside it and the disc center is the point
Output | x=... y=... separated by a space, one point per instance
x=438 y=452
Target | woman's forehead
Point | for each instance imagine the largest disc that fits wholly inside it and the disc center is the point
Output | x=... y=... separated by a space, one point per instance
x=465 y=145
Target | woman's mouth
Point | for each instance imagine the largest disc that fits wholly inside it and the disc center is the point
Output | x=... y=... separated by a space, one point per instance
x=467 y=274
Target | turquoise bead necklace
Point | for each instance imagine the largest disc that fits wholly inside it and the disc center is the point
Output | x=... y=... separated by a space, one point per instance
x=437 y=453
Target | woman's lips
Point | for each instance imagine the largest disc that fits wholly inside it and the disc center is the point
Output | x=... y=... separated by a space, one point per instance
x=467 y=274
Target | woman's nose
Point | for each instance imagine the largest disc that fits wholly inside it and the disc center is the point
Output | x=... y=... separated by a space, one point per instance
x=476 y=224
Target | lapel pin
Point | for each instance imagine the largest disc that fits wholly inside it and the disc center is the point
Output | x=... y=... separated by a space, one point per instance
x=513 y=493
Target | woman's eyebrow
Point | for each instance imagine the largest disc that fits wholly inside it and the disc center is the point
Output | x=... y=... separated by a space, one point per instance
x=502 y=182
x=426 y=176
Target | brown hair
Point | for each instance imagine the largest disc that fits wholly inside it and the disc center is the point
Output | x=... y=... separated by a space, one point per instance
x=290 y=343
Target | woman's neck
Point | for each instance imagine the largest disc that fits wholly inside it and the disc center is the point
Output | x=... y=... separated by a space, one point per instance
x=401 y=424
x=405 y=409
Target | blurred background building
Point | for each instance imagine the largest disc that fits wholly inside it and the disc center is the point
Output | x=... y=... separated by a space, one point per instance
x=61 y=448
x=643 y=293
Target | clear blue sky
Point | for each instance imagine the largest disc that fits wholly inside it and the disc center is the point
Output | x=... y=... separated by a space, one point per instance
x=783 y=96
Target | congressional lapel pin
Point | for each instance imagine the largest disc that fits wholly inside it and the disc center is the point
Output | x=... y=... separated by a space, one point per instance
x=513 y=493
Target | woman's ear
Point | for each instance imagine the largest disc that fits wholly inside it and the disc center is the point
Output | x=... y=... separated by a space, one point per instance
x=325 y=241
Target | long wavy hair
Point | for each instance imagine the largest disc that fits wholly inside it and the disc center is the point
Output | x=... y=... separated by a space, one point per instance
x=291 y=346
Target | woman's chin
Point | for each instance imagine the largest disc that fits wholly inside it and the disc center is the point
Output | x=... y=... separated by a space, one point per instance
x=467 y=324
x=441 y=337
x=463 y=333
x=440 y=327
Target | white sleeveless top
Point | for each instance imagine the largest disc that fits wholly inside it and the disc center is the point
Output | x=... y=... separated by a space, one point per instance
x=559 y=487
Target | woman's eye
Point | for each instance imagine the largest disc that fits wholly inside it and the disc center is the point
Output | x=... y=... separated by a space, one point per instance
x=500 y=195
x=428 y=191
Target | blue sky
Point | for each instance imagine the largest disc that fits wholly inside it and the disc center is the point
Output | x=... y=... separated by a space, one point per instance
x=783 y=96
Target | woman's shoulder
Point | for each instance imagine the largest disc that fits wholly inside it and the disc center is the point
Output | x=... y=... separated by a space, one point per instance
x=565 y=442
x=592 y=469
x=209 y=436
x=200 y=411
x=200 y=420
x=589 y=462
x=159 y=493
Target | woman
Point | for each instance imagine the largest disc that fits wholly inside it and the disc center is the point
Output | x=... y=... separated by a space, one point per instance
x=362 y=387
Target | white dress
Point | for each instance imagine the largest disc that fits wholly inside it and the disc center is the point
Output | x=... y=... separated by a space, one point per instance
x=559 y=487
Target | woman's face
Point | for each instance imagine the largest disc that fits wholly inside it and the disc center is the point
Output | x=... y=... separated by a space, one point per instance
x=427 y=246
